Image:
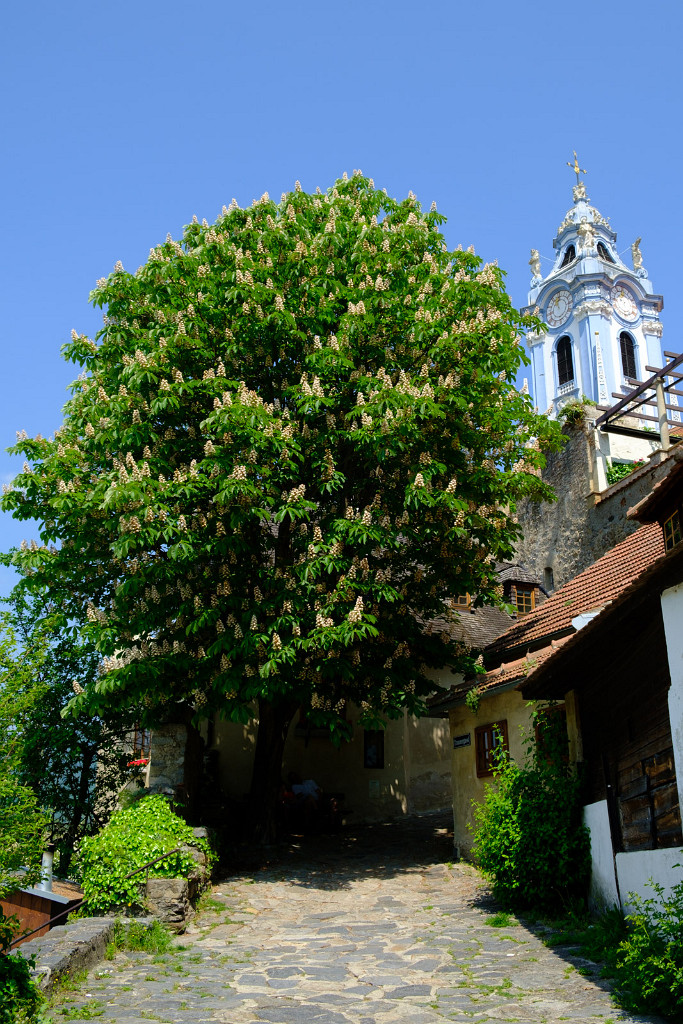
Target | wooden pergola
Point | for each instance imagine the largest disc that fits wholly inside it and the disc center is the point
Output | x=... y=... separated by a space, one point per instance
x=649 y=401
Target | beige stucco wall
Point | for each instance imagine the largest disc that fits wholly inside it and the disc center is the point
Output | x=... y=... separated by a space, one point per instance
x=508 y=705
x=415 y=777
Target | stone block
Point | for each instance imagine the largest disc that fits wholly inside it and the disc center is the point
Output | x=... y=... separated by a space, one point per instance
x=168 y=899
x=68 y=948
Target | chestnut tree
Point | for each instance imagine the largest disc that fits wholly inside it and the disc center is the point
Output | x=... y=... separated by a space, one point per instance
x=294 y=441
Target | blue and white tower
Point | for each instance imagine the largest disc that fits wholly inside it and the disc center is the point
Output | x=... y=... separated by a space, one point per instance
x=602 y=316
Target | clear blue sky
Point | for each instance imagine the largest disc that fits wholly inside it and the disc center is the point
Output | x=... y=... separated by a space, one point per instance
x=120 y=121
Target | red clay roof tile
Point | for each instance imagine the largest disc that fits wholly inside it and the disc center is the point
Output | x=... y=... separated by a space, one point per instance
x=596 y=586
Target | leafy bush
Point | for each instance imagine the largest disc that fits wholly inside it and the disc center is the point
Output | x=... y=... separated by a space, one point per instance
x=619 y=470
x=528 y=835
x=19 y=997
x=134 y=836
x=574 y=412
x=649 y=961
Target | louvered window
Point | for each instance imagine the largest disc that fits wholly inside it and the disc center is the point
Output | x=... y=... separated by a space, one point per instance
x=569 y=256
x=628 y=355
x=565 y=365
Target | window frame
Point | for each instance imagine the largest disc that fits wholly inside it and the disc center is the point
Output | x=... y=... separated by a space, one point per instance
x=674 y=535
x=485 y=745
x=373 y=739
x=564 y=361
x=528 y=589
x=630 y=358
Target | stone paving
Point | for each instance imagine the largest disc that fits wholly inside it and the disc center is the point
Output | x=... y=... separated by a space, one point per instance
x=369 y=927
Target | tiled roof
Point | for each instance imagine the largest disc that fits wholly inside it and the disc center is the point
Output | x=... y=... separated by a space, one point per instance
x=595 y=587
x=516 y=573
x=476 y=627
x=546 y=679
x=505 y=675
x=479 y=626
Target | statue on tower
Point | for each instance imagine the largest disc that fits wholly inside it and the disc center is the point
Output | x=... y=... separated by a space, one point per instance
x=586 y=233
x=535 y=264
x=637 y=257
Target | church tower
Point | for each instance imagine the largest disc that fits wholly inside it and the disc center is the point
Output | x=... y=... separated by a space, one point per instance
x=602 y=317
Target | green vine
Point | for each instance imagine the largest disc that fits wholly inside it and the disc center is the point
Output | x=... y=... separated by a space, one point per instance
x=473 y=699
x=528 y=835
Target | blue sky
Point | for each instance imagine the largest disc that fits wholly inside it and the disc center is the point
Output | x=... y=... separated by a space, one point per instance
x=120 y=121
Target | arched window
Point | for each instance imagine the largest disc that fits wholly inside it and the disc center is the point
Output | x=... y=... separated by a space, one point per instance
x=565 y=364
x=628 y=355
x=604 y=252
x=569 y=256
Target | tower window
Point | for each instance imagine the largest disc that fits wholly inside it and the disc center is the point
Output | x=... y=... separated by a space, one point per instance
x=604 y=253
x=565 y=365
x=569 y=256
x=628 y=355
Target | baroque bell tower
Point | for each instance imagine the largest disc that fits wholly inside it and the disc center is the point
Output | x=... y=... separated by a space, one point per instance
x=602 y=317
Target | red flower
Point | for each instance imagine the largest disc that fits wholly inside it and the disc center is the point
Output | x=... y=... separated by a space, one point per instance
x=140 y=761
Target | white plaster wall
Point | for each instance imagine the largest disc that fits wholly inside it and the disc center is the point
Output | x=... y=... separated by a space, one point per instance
x=672 y=613
x=635 y=869
x=603 y=890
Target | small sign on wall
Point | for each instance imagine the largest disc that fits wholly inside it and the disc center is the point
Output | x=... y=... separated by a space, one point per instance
x=462 y=741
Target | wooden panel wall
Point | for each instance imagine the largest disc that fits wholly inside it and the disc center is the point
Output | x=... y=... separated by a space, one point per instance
x=31 y=910
x=627 y=735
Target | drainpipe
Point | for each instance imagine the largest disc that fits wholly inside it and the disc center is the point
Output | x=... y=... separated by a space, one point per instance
x=46 y=868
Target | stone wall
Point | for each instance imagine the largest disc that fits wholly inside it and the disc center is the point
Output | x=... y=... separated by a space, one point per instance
x=588 y=518
x=167 y=752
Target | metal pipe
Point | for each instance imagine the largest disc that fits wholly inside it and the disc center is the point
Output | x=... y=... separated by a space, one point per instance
x=45 y=882
x=661 y=414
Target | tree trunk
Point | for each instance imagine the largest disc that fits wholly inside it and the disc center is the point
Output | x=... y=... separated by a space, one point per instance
x=84 y=782
x=193 y=771
x=266 y=780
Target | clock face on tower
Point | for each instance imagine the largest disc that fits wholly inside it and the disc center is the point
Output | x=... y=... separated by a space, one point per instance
x=623 y=302
x=559 y=308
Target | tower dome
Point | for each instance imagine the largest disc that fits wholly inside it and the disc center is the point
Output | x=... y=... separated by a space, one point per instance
x=602 y=316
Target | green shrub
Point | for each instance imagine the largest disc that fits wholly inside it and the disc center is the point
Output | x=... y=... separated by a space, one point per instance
x=19 y=997
x=620 y=470
x=133 y=837
x=649 y=961
x=528 y=836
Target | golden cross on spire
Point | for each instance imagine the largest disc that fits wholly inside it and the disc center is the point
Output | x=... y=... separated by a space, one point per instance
x=576 y=169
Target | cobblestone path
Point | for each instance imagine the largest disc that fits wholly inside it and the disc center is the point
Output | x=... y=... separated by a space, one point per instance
x=367 y=928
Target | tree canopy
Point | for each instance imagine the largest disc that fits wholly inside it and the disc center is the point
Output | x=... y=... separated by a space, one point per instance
x=74 y=765
x=295 y=438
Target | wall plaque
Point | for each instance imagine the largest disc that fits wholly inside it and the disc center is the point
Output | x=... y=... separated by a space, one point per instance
x=462 y=741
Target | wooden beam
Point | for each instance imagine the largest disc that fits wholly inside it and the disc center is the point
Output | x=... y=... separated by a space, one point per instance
x=662 y=373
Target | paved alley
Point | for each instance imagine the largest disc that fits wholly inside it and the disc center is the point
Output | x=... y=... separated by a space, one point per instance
x=369 y=927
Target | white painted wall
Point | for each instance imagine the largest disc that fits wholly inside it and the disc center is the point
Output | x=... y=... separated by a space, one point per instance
x=672 y=613
x=603 y=890
x=635 y=869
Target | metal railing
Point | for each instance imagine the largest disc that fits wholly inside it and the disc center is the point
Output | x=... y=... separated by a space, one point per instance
x=77 y=906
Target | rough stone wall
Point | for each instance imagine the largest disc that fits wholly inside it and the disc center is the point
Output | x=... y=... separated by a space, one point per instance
x=166 y=769
x=555 y=535
x=571 y=533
